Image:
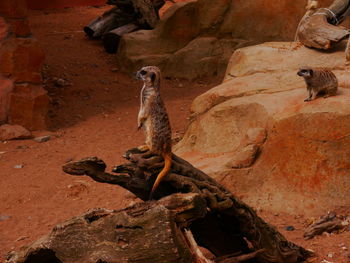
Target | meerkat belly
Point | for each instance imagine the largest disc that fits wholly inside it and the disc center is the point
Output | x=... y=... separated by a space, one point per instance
x=147 y=125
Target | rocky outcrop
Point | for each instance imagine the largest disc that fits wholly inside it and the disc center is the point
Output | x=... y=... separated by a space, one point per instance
x=12 y=132
x=23 y=100
x=196 y=38
x=255 y=134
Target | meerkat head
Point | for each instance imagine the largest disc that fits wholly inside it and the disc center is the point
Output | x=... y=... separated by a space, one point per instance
x=150 y=75
x=305 y=72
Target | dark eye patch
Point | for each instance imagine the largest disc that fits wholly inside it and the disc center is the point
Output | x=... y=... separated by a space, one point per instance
x=143 y=72
x=153 y=76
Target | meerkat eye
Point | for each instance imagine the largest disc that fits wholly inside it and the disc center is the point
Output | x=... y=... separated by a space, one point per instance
x=143 y=72
x=153 y=76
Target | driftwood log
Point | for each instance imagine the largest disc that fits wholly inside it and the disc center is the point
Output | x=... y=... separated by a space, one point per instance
x=112 y=38
x=228 y=228
x=110 y=20
x=126 y=17
x=319 y=28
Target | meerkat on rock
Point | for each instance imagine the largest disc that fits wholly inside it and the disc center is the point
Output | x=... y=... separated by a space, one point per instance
x=319 y=80
x=154 y=120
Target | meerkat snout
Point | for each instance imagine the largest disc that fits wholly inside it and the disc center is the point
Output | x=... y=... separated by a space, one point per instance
x=145 y=75
x=305 y=72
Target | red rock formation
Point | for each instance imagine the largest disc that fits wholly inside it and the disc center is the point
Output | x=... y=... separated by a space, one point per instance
x=23 y=100
x=255 y=134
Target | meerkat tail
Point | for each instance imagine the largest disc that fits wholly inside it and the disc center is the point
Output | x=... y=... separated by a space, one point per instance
x=167 y=166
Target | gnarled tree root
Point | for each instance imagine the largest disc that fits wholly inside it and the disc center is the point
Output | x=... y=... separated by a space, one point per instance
x=228 y=225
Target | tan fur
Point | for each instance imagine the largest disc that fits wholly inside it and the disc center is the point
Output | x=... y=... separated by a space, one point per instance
x=154 y=120
x=319 y=80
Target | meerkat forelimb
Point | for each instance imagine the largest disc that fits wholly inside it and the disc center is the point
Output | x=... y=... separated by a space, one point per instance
x=319 y=80
x=154 y=120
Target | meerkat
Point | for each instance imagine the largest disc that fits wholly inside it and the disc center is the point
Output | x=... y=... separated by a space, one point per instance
x=154 y=120
x=319 y=81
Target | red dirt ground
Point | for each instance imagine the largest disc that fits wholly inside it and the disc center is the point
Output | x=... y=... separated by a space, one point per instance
x=95 y=116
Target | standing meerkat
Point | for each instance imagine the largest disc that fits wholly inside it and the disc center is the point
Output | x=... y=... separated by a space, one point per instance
x=319 y=80
x=154 y=120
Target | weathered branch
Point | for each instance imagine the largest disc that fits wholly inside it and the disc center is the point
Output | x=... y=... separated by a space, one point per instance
x=329 y=223
x=319 y=29
x=110 y=20
x=228 y=223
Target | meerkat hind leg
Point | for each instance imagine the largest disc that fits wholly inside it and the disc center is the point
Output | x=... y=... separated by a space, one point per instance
x=331 y=92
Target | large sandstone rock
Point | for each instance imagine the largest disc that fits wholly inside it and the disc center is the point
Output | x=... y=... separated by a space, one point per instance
x=196 y=38
x=255 y=133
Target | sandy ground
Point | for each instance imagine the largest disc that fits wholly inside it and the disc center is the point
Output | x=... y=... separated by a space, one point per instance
x=94 y=116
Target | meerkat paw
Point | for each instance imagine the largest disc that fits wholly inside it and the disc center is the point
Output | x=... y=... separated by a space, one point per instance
x=308 y=99
x=143 y=148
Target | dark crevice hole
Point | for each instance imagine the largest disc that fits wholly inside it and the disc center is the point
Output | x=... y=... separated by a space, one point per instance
x=42 y=256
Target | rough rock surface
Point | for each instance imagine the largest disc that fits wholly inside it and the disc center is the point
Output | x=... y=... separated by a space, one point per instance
x=197 y=38
x=11 y=132
x=255 y=134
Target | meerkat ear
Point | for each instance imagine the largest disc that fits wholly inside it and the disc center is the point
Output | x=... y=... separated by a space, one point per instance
x=153 y=76
x=311 y=72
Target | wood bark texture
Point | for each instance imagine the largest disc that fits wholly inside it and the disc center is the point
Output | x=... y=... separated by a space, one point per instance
x=319 y=29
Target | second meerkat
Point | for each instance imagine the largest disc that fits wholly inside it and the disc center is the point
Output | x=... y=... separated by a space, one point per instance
x=153 y=118
x=319 y=80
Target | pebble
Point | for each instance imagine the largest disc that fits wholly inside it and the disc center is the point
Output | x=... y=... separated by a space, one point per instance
x=18 y=166
x=290 y=228
x=4 y=217
x=114 y=69
x=22 y=147
x=42 y=138
x=60 y=82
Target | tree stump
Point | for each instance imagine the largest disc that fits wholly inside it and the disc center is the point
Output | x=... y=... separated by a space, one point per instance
x=192 y=219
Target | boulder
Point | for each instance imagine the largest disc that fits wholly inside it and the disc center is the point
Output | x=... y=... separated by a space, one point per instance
x=197 y=38
x=255 y=134
x=11 y=132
